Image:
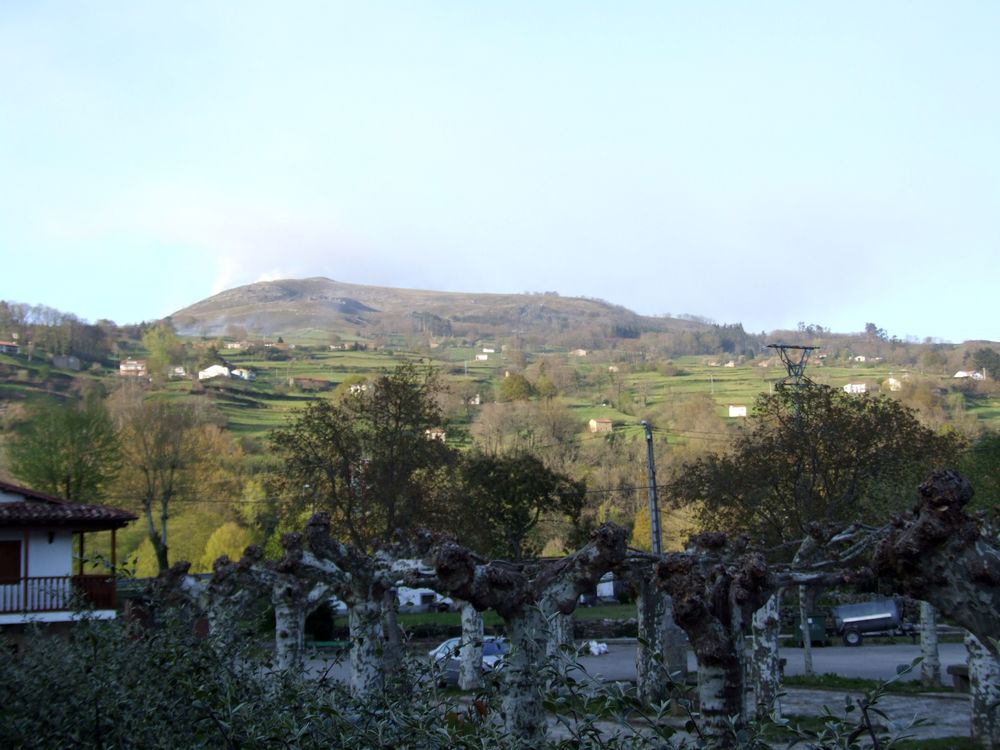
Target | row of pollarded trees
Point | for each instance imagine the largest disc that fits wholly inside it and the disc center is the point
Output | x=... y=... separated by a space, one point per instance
x=939 y=554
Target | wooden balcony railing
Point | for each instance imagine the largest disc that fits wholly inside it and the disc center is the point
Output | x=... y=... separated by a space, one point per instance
x=57 y=593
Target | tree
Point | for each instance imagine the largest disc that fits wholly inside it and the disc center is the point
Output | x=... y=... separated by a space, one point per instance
x=164 y=346
x=508 y=496
x=364 y=459
x=515 y=387
x=812 y=456
x=162 y=451
x=68 y=451
x=230 y=540
x=987 y=359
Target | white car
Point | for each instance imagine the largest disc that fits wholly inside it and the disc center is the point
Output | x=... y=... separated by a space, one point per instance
x=446 y=654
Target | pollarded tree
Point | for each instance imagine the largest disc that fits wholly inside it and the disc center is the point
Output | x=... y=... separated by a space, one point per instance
x=68 y=451
x=363 y=459
x=812 y=455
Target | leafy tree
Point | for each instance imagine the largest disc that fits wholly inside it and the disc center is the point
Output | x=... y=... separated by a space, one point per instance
x=68 y=451
x=163 y=450
x=164 y=346
x=229 y=539
x=515 y=387
x=981 y=466
x=508 y=497
x=813 y=455
x=365 y=458
x=987 y=359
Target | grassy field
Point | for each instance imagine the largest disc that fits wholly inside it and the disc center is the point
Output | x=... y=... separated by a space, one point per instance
x=255 y=408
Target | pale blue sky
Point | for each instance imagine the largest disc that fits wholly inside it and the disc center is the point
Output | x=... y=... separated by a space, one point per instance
x=764 y=163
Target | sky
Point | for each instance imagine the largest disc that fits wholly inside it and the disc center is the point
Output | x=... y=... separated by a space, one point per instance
x=764 y=163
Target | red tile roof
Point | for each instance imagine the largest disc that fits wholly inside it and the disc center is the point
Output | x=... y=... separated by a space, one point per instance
x=39 y=509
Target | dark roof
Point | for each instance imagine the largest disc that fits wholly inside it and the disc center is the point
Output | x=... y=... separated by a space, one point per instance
x=39 y=509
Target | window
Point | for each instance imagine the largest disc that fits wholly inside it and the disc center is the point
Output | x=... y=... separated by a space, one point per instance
x=10 y=561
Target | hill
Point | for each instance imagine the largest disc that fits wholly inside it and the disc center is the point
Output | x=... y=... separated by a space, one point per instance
x=296 y=306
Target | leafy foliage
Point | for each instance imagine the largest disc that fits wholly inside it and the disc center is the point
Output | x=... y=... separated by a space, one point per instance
x=813 y=455
x=363 y=459
x=509 y=494
x=68 y=451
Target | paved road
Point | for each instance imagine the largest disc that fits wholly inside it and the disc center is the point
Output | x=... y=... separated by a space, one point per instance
x=875 y=662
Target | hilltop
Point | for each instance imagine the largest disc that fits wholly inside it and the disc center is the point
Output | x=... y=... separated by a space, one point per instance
x=294 y=306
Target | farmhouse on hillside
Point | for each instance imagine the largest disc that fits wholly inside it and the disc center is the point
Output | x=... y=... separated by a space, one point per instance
x=132 y=368
x=214 y=371
x=601 y=425
x=38 y=534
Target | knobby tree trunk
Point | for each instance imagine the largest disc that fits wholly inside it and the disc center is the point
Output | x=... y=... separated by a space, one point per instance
x=289 y=633
x=560 y=629
x=715 y=589
x=984 y=682
x=942 y=556
x=765 y=661
x=523 y=705
x=805 y=632
x=470 y=656
x=930 y=667
x=365 y=583
x=364 y=619
x=656 y=657
x=525 y=595
x=393 y=636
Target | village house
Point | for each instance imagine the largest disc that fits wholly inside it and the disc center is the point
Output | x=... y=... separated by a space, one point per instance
x=436 y=433
x=9 y=347
x=737 y=410
x=244 y=374
x=40 y=536
x=132 y=368
x=214 y=371
x=856 y=388
x=601 y=425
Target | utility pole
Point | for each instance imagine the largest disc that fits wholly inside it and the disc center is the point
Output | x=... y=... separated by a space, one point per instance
x=654 y=506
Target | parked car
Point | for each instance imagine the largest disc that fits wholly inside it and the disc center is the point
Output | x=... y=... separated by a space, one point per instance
x=879 y=617
x=446 y=655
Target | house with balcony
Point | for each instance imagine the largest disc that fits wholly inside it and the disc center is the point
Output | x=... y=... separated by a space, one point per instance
x=42 y=547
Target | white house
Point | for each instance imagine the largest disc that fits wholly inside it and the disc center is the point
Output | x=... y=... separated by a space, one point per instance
x=38 y=534
x=482 y=357
x=243 y=374
x=970 y=374
x=214 y=371
x=861 y=358
x=132 y=368
x=855 y=388
x=893 y=384
x=737 y=410
x=601 y=425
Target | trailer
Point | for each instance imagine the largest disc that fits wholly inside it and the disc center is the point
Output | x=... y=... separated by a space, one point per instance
x=881 y=617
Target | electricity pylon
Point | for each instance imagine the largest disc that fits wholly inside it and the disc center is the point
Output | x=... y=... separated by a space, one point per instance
x=795 y=359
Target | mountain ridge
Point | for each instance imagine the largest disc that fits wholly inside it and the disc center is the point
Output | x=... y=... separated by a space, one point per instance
x=287 y=306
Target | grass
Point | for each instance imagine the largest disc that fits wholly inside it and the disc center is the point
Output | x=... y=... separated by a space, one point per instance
x=831 y=681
